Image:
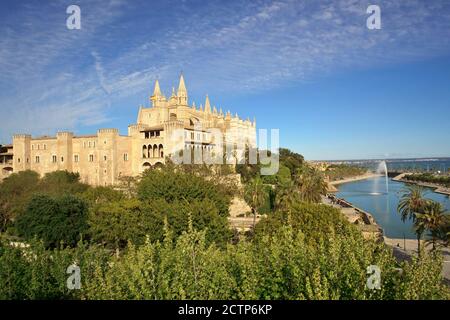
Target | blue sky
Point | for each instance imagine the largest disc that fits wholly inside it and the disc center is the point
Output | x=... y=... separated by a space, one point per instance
x=312 y=69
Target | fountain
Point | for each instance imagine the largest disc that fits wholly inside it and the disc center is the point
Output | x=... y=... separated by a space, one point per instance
x=382 y=168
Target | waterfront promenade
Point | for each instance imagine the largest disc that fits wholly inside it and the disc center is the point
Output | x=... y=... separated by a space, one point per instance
x=403 y=249
x=437 y=188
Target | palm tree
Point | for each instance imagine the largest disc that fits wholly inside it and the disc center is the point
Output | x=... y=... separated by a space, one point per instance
x=286 y=196
x=255 y=195
x=311 y=184
x=412 y=202
x=433 y=219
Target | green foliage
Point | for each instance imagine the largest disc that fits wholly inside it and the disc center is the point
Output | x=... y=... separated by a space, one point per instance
x=58 y=182
x=291 y=160
x=310 y=184
x=172 y=185
x=283 y=176
x=430 y=178
x=336 y=172
x=294 y=261
x=15 y=192
x=97 y=195
x=114 y=224
x=33 y=272
x=54 y=220
x=172 y=241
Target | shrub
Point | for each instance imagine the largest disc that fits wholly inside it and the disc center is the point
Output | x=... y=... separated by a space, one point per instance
x=54 y=219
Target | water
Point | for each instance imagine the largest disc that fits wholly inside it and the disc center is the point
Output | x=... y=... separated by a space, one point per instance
x=383 y=205
x=382 y=168
x=411 y=165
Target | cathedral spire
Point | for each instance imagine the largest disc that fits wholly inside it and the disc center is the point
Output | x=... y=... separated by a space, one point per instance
x=207 y=105
x=181 y=86
x=157 y=91
x=182 y=92
x=157 y=98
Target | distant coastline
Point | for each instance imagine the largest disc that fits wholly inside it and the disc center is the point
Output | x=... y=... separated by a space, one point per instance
x=355 y=178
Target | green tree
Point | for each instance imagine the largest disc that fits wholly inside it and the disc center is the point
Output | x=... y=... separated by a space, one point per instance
x=431 y=220
x=311 y=184
x=15 y=192
x=174 y=185
x=412 y=202
x=54 y=220
x=115 y=223
x=255 y=195
x=62 y=181
x=286 y=195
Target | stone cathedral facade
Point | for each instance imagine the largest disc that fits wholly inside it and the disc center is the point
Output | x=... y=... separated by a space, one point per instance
x=102 y=158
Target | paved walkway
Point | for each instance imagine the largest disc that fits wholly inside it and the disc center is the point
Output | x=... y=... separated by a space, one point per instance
x=404 y=249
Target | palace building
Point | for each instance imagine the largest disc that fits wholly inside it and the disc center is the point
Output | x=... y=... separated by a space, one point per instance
x=169 y=125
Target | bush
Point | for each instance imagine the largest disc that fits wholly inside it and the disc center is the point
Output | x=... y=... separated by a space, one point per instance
x=114 y=224
x=178 y=186
x=54 y=219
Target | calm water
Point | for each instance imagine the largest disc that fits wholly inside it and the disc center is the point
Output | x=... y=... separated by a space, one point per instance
x=370 y=195
x=413 y=165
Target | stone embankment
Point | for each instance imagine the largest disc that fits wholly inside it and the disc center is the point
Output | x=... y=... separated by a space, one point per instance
x=437 y=188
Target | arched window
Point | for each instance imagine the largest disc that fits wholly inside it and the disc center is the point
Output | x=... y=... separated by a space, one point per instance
x=144 y=151
x=150 y=151
x=161 y=151
x=146 y=165
x=155 y=151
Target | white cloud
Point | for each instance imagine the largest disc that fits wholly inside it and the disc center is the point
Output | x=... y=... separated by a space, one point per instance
x=222 y=47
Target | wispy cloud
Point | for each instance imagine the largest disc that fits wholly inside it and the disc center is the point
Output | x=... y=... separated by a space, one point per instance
x=52 y=78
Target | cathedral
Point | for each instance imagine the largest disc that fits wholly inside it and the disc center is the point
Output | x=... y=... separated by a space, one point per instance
x=169 y=126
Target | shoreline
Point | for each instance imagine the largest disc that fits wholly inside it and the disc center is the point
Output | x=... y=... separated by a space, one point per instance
x=355 y=178
x=436 y=187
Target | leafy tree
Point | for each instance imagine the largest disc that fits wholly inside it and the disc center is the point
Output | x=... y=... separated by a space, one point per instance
x=15 y=192
x=172 y=185
x=54 y=220
x=411 y=203
x=432 y=219
x=96 y=195
x=115 y=223
x=255 y=195
x=291 y=160
x=286 y=195
x=311 y=184
x=59 y=182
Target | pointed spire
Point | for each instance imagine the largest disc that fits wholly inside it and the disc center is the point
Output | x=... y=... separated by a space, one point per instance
x=201 y=107
x=193 y=105
x=173 y=92
x=236 y=116
x=207 y=105
x=157 y=91
x=228 y=116
x=215 y=110
x=220 y=111
x=182 y=91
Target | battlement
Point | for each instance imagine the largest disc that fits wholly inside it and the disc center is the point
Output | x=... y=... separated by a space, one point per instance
x=22 y=136
x=64 y=134
x=108 y=130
